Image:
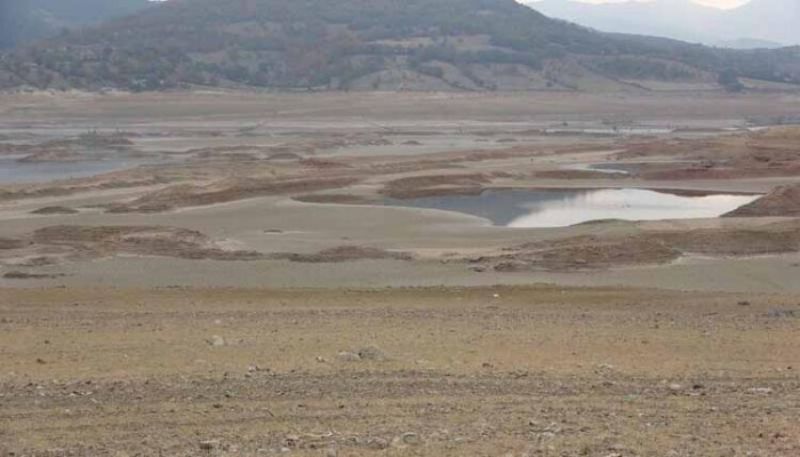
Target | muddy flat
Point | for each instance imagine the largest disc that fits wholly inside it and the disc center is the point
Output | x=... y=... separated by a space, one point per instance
x=546 y=274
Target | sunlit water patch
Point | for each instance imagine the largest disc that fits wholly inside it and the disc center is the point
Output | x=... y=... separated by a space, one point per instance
x=12 y=171
x=564 y=207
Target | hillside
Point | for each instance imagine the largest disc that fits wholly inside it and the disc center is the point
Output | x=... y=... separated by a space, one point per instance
x=373 y=44
x=742 y=27
x=26 y=20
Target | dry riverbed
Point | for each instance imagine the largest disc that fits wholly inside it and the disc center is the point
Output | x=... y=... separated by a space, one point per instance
x=232 y=281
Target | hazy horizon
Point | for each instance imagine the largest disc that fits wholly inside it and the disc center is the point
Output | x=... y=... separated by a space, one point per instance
x=722 y=4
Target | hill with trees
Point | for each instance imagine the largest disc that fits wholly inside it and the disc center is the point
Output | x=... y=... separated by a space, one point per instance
x=22 y=21
x=374 y=45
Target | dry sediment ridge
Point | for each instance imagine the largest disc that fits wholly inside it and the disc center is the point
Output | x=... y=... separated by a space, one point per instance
x=784 y=201
x=73 y=242
x=769 y=153
x=97 y=241
x=228 y=191
x=343 y=254
x=592 y=252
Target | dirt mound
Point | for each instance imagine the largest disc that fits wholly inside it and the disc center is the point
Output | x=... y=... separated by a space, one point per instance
x=586 y=252
x=717 y=172
x=590 y=252
x=322 y=164
x=767 y=153
x=24 y=275
x=69 y=149
x=54 y=210
x=771 y=239
x=138 y=240
x=344 y=254
x=285 y=156
x=423 y=186
x=10 y=243
x=226 y=191
x=578 y=174
x=333 y=198
x=783 y=201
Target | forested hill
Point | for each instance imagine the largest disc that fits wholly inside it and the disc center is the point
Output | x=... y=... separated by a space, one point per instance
x=22 y=21
x=374 y=44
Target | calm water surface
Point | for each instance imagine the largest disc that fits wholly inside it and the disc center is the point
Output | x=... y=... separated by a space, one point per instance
x=560 y=208
x=14 y=172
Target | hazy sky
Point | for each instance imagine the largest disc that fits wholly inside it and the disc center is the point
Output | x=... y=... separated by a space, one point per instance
x=717 y=3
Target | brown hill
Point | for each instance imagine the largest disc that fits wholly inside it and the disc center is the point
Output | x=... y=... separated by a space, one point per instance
x=373 y=44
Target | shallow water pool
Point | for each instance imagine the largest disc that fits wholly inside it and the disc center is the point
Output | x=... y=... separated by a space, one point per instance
x=564 y=207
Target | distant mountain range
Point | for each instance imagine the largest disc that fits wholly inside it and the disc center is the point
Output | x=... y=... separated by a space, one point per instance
x=757 y=24
x=377 y=45
x=26 y=20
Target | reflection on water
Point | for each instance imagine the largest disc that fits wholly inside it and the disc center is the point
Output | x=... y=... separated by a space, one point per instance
x=12 y=171
x=560 y=208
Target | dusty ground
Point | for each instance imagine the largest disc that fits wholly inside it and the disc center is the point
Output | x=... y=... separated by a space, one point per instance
x=232 y=284
x=486 y=371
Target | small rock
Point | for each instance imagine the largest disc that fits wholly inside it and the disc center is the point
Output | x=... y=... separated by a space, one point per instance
x=510 y=267
x=216 y=341
x=675 y=387
x=371 y=353
x=209 y=445
x=377 y=443
x=761 y=390
x=345 y=356
x=292 y=441
x=744 y=303
x=782 y=314
x=412 y=439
